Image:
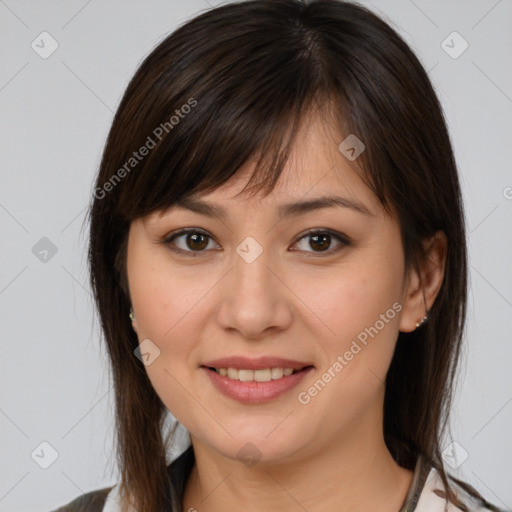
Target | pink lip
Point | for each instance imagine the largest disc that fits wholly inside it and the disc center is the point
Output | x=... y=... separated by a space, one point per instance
x=255 y=392
x=259 y=363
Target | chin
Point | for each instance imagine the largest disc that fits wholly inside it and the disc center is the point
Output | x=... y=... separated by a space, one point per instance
x=253 y=446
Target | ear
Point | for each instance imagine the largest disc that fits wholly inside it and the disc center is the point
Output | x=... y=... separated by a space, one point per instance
x=423 y=284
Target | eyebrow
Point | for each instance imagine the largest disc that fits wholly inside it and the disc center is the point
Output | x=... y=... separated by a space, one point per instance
x=285 y=210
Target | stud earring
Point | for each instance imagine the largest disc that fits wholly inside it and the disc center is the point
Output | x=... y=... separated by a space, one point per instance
x=423 y=320
x=132 y=316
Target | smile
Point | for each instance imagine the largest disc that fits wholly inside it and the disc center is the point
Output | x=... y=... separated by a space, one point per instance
x=250 y=386
x=248 y=375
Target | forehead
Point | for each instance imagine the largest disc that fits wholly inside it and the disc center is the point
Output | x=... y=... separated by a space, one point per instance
x=316 y=169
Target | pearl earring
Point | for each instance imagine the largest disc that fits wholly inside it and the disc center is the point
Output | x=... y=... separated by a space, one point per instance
x=132 y=316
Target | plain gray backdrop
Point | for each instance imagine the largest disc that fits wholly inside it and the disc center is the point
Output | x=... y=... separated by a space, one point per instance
x=58 y=93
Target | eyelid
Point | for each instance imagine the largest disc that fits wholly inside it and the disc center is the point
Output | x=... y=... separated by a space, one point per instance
x=168 y=239
x=342 y=238
x=317 y=231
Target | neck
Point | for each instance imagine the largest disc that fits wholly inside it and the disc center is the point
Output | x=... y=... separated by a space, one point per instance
x=356 y=474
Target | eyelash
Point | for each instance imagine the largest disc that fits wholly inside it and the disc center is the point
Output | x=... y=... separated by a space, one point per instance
x=169 y=241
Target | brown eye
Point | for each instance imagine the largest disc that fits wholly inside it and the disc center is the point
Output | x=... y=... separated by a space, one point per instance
x=321 y=240
x=192 y=241
x=196 y=241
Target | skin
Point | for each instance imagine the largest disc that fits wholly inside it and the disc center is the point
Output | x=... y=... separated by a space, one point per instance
x=329 y=454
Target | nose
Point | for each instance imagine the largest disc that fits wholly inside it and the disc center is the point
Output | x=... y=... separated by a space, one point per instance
x=254 y=300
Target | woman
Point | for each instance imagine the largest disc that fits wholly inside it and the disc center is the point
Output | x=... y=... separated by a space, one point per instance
x=278 y=256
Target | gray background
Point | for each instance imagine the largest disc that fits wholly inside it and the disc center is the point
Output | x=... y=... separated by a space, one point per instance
x=56 y=113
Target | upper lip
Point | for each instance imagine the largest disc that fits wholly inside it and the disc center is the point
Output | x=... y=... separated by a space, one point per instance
x=259 y=363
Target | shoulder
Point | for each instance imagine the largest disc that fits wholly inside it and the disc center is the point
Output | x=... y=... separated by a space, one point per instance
x=93 y=501
x=433 y=497
x=107 y=499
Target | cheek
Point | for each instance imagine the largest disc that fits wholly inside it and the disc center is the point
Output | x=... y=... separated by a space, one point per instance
x=354 y=297
x=359 y=311
x=160 y=301
x=173 y=322
x=168 y=312
x=163 y=297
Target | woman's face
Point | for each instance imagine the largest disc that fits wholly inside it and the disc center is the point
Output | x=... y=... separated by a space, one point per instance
x=253 y=285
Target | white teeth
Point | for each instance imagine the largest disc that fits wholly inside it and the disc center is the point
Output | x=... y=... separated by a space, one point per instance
x=246 y=375
x=263 y=375
x=277 y=373
x=233 y=373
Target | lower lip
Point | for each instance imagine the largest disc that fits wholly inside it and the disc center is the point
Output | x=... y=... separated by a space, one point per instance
x=255 y=392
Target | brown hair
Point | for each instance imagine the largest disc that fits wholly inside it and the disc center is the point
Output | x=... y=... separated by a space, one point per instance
x=234 y=84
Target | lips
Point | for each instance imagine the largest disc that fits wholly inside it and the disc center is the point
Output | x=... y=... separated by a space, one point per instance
x=255 y=381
